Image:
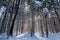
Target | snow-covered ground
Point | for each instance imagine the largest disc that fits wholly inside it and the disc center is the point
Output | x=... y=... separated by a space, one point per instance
x=26 y=36
x=51 y=36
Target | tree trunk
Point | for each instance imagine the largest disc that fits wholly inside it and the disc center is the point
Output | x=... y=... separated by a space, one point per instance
x=3 y=28
x=41 y=27
x=22 y=23
x=57 y=14
x=2 y=22
x=14 y=17
x=46 y=25
x=32 y=28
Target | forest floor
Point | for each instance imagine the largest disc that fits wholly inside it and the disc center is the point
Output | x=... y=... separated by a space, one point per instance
x=26 y=36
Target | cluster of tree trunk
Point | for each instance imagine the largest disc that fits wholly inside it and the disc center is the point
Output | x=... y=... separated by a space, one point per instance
x=9 y=16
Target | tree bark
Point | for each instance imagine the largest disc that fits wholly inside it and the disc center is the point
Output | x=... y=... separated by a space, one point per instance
x=14 y=17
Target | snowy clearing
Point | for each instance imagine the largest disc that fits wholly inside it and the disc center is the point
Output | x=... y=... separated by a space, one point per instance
x=26 y=36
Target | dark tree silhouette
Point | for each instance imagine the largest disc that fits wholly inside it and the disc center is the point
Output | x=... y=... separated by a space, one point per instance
x=14 y=17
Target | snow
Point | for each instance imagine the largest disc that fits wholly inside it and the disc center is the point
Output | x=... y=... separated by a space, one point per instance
x=55 y=36
x=26 y=36
x=27 y=8
x=2 y=10
x=45 y=10
x=21 y=35
x=38 y=3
